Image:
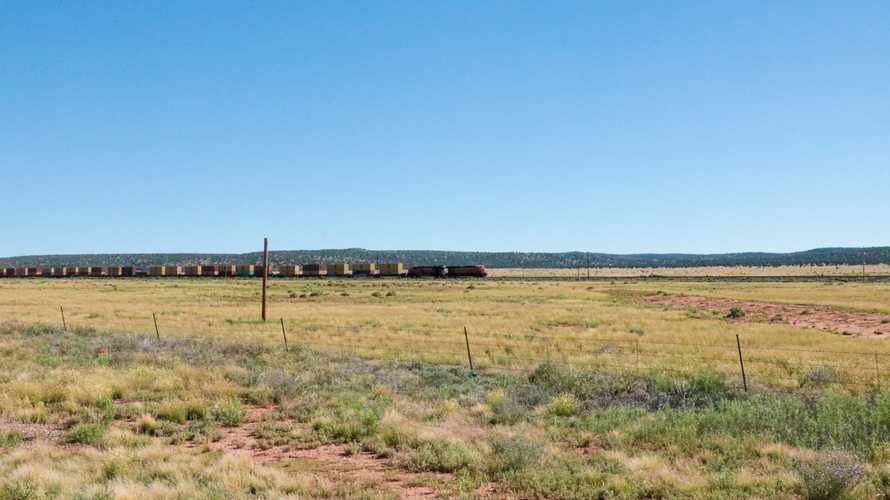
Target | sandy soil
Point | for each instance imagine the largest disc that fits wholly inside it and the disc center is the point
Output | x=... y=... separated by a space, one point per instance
x=803 y=316
x=328 y=463
x=31 y=432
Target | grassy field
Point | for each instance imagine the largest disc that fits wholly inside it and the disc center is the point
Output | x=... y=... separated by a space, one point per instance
x=512 y=325
x=689 y=272
x=581 y=390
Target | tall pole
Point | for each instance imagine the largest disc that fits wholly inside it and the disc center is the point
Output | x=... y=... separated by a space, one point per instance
x=588 y=266
x=265 y=272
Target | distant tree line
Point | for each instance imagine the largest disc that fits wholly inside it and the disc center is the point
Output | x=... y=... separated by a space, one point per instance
x=820 y=256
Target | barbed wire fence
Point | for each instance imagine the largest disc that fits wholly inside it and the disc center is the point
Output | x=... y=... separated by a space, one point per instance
x=750 y=364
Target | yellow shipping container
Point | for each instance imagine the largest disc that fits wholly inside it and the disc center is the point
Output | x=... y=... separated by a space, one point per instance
x=228 y=270
x=392 y=269
x=193 y=270
x=157 y=271
x=174 y=270
x=364 y=268
x=339 y=269
x=290 y=270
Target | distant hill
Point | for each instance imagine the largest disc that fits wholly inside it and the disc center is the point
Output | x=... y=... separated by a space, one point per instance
x=820 y=256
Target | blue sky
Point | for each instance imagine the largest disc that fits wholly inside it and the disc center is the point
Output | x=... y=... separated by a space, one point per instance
x=534 y=126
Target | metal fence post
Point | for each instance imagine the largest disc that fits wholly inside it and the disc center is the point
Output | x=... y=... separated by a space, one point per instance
x=154 y=316
x=738 y=344
x=284 y=334
x=64 y=325
x=469 y=355
x=265 y=273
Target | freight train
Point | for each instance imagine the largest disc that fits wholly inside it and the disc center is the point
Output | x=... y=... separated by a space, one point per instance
x=394 y=269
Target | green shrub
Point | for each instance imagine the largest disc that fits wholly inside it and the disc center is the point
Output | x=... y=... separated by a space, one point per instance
x=513 y=454
x=351 y=422
x=827 y=476
x=564 y=405
x=230 y=413
x=91 y=434
x=736 y=313
x=37 y=330
x=147 y=425
x=442 y=455
x=181 y=412
x=505 y=409
x=10 y=439
x=22 y=489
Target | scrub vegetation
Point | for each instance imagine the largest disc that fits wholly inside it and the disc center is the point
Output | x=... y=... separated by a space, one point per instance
x=216 y=408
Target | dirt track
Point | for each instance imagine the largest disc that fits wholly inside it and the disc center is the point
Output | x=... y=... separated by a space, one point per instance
x=803 y=316
x=330 y=463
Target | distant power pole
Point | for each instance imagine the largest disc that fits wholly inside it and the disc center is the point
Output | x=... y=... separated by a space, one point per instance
x=588 y=266
x=265 y=272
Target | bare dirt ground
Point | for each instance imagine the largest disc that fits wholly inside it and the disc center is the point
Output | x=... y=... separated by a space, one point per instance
x=802 y=316
x=32 y=432
x=330 y=464
x=334 y=463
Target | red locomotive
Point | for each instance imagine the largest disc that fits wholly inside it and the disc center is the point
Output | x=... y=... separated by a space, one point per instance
x=428 y=271
x=467 y=272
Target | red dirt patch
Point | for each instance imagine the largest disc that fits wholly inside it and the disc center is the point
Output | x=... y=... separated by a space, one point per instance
x=32 y=432
x=335 y=462
x=803 y=316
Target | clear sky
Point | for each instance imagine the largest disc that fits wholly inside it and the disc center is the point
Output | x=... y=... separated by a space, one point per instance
x=712 y=126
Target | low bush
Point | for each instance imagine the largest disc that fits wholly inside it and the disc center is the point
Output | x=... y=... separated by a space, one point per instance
x=181 y=412
x=10 y=439
x=564 y=405
x=350 y=422
x=513 y=454
x=736 y=313
x=91 y=434
x=229 y=414
x=441 y=455
x=827 y=476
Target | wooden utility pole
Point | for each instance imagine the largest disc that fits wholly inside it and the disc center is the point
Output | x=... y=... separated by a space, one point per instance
x=588 y=266
x=265 y=272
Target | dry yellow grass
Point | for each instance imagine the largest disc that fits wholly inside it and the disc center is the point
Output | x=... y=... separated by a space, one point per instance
x=689 y=272
x=96 y=413
x=512 y=324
